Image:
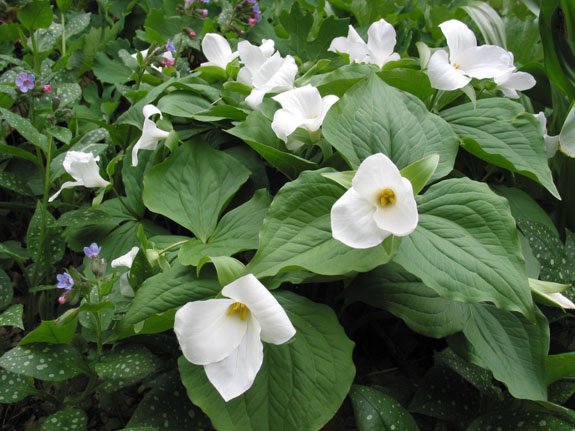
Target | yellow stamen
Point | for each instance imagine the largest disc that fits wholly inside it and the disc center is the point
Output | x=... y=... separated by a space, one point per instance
x=386 y=197
x=238 y=308
x=457 y=66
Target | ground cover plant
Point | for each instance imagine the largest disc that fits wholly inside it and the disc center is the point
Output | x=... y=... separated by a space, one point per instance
x=287 y=215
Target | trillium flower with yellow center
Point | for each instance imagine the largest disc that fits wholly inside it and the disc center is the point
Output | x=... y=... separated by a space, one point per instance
x=378 y=50
x=465 y=60
x=379 y=203
x=302 y=107
x=225 y=335
x=84 y=169
x=151 y=134
x=217 y=50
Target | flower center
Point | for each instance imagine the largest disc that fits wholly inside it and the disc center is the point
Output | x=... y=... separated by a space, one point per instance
x=456 y=65
x=238 y=308
x=387 y=197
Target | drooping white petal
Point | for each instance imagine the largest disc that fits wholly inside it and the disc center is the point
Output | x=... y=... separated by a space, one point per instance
x=443 y=75
x=352 y=221
x=381 y=42
x=401 y=217
x=235 y=374
x=345 y=45
x=151 y=133
x=217 y=50
x=512 y=82
x=326 y=103
x=284 y=123
x=304 y=102
x=126 y=259
x=459 y=38
x=551 y=142
x=562 y=300
x=206 y=332
x=255 y=98
x=376 y=173
x=125 y=288
x=66 y=185
x=84 y=168
x=487 y=61
x=275 y=325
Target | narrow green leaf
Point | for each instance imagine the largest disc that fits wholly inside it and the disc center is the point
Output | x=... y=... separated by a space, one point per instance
x=6 y=290
x=13 y=387
x=13 y=316
x=69 y=419
x=25 y=128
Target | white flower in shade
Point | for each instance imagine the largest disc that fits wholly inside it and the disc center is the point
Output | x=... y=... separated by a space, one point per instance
x=465 y=60
x=512 y=82
x=378 y=49
x=302 y=107
x=379 y=203
x=225 y=335
x=551 y=142
x=264 y=71
x=126 y=260
x=83 y=167
x=217 y=50
x=150 y=133
x=144 y=54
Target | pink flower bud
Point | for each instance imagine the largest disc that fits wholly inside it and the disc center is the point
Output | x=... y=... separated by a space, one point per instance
x=192 y=34
x=47 y=88
x=168 y=62
x=252 y=21
x=62 y=300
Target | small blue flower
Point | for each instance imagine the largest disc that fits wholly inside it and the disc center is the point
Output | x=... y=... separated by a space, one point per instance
x=170 y=47
x=25 y=82
x=256 y=10
x=65 y=281
x=92 y=251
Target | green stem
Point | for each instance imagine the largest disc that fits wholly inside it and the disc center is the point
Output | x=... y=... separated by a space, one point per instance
x=35 y=54
x=174 y=245
x=63 y=22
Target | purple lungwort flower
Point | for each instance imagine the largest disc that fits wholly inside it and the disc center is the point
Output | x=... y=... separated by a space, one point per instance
x=25 y=82
x=170 y=47
x=92 y=251
x=65 y=281
x=257 y=12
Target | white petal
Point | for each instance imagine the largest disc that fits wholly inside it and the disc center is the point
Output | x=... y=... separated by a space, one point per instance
x=235 y=374
x=304 y=102
x=285 y=123
x=326 y=103
x=126 y=259
x=84 y=169
x=515 y=81
x=255 y=98
x=381 y=41
x=459 y=38
x=66 y=185
x=275 y=325
x=206 y=332
x=352 y=221
x=401 y=217
x=251 y=55
x=562 y=300
x=424 y=54
x=443 y=75
x=217 y=50
x=343 y=44
x=276 y=74
x=551 y=145
x=150 y=133
x=149 y=110
x=267 y=47
x=376 y=173
x=245 y=76
x=487 y=61
x=125 y=288
x=542 y=122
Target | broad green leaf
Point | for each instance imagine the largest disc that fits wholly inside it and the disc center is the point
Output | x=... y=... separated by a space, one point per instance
x=25 y=128
x=532 y=418
x=51 y=332
x=420 y=172
x=560 y=366
x=391 y=288
x=44 y=242
x=466 y=247
x=51 y=362
x=413 y=81
x=36 y=14
x=500 y=132
x=18 y=152
x=60 y=133
x=235 y=232
x=15 y=183
x=170 y=289
x=83 y=217
x=6 y=290
x=168 y=397
x=296 y=233
x=130 y=363
x=373 y=117
x=12 y=316
x=109 y=70
x=256 y=131
x=69 y=419
x=77 y=24
x=183 y=104
x=300 y=385
x=14 y=387
x=377 y=411
x=69 y=94
x=511 y=347
x=227 y=268
x=193 y=186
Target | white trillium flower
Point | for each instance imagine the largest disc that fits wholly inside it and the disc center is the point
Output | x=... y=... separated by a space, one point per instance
x=265 y=71
x=378 y=50
x=465 y=60
x=302 y=107
x=83 y=167
x=150 y=133
x=144 y=54
x=551 y=142
x=217 y=50
x=225 y=335
x=126 y=260
x=511 y=82
x=379 y=203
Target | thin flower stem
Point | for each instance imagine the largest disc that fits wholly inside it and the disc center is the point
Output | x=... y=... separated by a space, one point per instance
x=174 y=245
x=63 y=23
